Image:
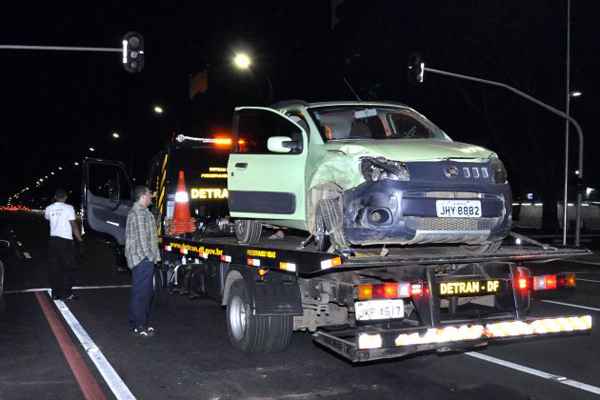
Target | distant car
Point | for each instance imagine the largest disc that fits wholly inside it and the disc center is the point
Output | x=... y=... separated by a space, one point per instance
x=364 y=173
x=11 y=255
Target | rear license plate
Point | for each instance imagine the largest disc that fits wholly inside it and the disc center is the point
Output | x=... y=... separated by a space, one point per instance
x=379 y=309
x=458 y=208
x=469 y=288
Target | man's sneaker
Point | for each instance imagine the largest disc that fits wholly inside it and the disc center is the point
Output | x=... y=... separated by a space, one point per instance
x=141 y=331
x=151 y=331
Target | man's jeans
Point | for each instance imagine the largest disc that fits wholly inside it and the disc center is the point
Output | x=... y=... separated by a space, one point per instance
x=141 y=294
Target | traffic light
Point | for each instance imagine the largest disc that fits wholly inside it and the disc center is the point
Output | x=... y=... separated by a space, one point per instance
x=133 y=52
x=416 y=68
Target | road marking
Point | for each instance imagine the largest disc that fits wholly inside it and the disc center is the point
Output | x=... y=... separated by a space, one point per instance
x=85 y=379
x=532 y=371
x=571 y=305
x=34 y=290
x=584 y=262
x=112 y=379
x=588 y=280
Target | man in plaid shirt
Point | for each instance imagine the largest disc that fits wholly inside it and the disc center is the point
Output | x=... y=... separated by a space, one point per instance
x=141 y=250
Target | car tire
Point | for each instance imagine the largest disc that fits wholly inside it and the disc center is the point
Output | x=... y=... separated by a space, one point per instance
x=330 y=213
x=255 y=333
x=247 y=231
x=2 y=301
x=487 y=248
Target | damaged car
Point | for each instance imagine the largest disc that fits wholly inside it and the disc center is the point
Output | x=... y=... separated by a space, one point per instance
x=364 y=173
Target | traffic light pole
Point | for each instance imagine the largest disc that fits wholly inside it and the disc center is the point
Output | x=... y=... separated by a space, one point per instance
x=549 y=108
x=62 y=48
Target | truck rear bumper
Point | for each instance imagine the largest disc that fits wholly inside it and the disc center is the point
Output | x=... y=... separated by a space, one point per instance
x=369 y=345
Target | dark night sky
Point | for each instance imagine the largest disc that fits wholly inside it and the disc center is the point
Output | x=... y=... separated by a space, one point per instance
x=55 y=105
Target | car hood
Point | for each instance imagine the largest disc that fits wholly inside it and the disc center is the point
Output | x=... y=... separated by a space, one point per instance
x=409 y=149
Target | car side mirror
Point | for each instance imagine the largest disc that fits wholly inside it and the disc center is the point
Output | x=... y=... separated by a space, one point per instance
x=280 y=144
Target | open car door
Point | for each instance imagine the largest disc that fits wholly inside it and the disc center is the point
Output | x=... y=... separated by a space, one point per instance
x=107 y=196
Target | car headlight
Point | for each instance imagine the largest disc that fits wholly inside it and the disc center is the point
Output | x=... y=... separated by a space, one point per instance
x=376 y=169
x=498 y=171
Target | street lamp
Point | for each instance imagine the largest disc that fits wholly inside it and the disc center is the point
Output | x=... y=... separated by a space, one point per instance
x=158 y=110
x=116 y=135
x=75 y=163
x=575 y=93
x=92 y=149
x=242 y=61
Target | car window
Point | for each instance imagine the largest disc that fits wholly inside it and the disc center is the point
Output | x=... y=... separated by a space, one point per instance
x=366 y=122
x=257 y=126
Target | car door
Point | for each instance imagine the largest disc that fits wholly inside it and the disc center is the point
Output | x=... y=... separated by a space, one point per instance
x=107 y=196
x=264 y=182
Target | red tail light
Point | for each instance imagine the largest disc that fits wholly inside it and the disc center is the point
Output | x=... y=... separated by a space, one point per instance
x=390 y=290
x=522 y=279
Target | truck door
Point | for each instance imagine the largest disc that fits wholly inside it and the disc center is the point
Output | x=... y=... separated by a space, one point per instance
x=267 y=172
x=107 y=196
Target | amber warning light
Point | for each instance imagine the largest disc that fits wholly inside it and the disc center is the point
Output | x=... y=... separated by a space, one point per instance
x=217 y=141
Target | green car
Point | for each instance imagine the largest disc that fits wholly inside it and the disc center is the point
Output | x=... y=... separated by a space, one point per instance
x=363 y=173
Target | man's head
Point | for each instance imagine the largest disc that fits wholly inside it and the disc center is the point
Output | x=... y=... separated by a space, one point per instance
x=143 y=196
x=60 y=195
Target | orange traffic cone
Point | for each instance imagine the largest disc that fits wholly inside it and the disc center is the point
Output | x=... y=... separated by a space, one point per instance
x=182 y=220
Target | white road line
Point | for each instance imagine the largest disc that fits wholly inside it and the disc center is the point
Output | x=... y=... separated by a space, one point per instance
x=571 y=305
x=74 y=288
x=532 y=371
x=112 y=379
x=588 y=280
x=585 y=262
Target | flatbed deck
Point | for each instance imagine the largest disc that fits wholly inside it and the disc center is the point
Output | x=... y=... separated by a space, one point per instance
x=308 y=262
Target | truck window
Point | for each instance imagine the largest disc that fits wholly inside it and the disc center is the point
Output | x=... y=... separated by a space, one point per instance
x=110 y=182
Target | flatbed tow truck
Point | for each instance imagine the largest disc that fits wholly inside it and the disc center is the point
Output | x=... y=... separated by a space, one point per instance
x=365 y=304
x=369 y=306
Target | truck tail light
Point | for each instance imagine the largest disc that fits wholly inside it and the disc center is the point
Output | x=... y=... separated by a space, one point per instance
x=554 y=281
x=390 y=290
x=522 y=279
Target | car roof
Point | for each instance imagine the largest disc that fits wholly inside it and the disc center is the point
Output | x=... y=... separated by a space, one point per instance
x=286 y=104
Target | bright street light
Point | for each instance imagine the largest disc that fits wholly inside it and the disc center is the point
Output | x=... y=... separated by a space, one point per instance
x=242 y=61
x=75 y=163
x=92 y=149
x=158 y=110
x=575 y=93
x=60 y=168
x=116 y=135
x=51 y=172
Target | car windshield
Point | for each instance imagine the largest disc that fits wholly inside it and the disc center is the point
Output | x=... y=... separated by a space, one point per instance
x=372 y=122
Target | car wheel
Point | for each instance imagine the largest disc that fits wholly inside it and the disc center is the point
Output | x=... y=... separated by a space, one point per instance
x=255 y=333
x=247 y=231
x=2 y=303
x=329 y=214
x=487 y=248
x=322 y=241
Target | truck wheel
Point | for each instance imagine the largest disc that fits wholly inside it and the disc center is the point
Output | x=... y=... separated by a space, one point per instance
x=247 y=231
x=329 y=215
x=253 y=333
x=488 y=248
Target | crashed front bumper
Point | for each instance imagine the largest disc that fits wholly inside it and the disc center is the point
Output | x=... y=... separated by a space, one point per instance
x=397 y=212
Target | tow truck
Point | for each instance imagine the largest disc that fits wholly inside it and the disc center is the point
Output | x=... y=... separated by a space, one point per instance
x=368 y=303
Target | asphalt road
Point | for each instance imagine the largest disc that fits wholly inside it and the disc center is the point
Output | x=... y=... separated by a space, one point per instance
x=191 y=358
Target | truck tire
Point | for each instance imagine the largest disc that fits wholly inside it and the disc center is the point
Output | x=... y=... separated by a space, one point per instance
x=247 y=231
x=329 y=214
x=255 y=333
